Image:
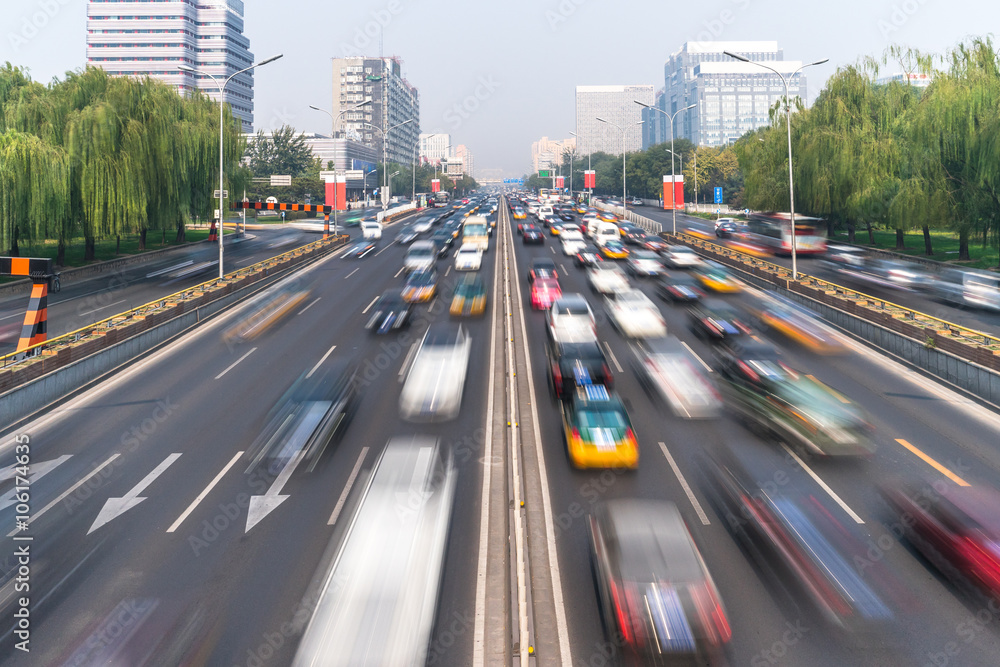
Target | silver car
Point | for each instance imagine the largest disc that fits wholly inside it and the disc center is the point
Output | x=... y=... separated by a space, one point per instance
x=436 y=379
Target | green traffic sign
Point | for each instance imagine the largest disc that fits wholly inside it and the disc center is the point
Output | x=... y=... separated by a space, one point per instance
x=543 y=173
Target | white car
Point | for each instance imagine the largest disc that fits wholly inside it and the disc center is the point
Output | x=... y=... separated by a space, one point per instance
x=424 y=224
x=570 y=320
x=468 y=258
x=436 y=379
x=722 y=220
x=371 y=230
x=635 y=315
x=666 y=368
x=607 y=278
x=644 y=263
x=680 y=257
x=572 y=245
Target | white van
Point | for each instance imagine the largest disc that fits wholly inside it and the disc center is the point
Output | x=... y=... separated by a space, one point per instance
x=545 y=211
x=422 y=256
x=371 y=229
x=605 y=231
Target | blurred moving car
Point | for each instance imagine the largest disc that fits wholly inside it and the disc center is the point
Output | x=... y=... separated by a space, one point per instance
x=802 y=548
x=421 y=256
x=390 y=313
x=532 y=234
x=572 y=365
x=680 y=257
x=572 y=243
x=635 y=315
x=314 y=412
x=542 y=268
x=716 y=277
x=421 y=286
x=665 y=367
x=797 y=409
x=653 y=588
x=265 y=311
x=588 y=256
x=406 y=235
x=519 y=213
x=543 y=292
x=958 y=531
x=678 y=287
x=359 y=249
x=797 y=323
x=607 y=278
x=725 y=230
x=436 y=378
x=974 y=289
x=570 y=320
x=470 y=297
x=716 y=320
x=597 y=431
x=468 y=258
x=377 y=602
x=614 y=250
x=644 y=263
x=423 y=224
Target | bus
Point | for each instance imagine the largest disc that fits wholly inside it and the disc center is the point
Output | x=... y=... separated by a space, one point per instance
x=548 y=195
x=476 y=232
x=441 y=198
x=773 y=231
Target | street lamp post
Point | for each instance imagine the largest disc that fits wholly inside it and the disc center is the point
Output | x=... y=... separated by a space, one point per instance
x=673 y=198
x=385 y=149
x=222 y=88
x=788 y=122
x=623 y=130
x=333 y=135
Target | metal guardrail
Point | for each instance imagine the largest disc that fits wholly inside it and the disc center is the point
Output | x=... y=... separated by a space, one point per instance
x=158 y=305
x=393 y=212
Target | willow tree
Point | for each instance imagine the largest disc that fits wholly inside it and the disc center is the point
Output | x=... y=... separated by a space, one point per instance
x=34 y=190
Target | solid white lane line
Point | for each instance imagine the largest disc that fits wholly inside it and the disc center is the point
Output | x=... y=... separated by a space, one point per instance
x=406 y=362
x=382 y=250
x=614 y=359
x=566 y=272
x=311 y=304
x=552 y=249
x=205 y=492
x=695 y=355
x=67 y=492
x=823 y=485
x=347 y=489
x=368 y=307
x=449 y=269
x=352 y=273
x=685 y=486
x=401 y=269
x=320 y=362
x=234 y=364
x=479 y=628
x=91 y=312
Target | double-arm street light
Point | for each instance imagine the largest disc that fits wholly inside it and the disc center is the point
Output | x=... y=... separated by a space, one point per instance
x=673 y=187
x=788 y=122
x=623 y=130
x=333 y=135
x=385 y=159
x=222 y=88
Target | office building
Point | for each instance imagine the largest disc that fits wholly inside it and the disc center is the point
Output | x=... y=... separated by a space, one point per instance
x=547 y=153
x=654 y=123
x=615 y=104
x=468 y=160
x=393 y=101
x=152 y=38
x=434 y=147
x=732 y=97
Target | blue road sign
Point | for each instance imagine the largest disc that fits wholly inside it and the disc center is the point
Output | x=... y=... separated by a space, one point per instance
x=718 y=195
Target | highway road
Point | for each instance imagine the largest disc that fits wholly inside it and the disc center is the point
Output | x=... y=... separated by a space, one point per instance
x=178 y=576
x=980 y=320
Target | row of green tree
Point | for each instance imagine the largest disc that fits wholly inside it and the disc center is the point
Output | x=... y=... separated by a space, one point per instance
x=704 y=168
x=98 y=157
x=892 y=155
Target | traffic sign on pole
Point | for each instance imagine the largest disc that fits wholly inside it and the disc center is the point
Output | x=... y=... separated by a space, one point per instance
x=225 y=194
x=718 y=195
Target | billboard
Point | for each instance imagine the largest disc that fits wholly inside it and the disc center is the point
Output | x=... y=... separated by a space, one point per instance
x=336 y=192
x=590 y=179
x=436 y=185
x=560 y=181
x=673 y=191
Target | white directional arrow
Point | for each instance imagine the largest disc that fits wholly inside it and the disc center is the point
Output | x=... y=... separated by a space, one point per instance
x=114 y=507
x=36 y=471
x=261 y=506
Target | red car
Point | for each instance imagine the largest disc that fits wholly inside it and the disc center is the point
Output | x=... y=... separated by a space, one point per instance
x=543 y=292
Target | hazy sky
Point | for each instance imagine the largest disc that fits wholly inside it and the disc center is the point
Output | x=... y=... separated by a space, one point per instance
x=500 y=75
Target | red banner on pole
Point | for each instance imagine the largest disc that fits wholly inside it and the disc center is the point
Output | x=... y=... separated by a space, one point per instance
x=560 y=181
x=336 y=192
x=673 y=192
x=436 y=185
x=590 y=179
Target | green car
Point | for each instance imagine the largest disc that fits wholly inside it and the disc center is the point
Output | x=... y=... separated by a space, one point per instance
x=792 y=407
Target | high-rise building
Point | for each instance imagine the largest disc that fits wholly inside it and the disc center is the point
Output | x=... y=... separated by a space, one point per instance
x=615 y=104
x=140 y=38
x=732 y=97
x=654 y=123
x=468 y=160
x=434 y=147
x=547 y=153
x=393 y=101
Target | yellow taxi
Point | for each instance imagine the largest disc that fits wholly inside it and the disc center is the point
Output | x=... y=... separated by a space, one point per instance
x=470 y=297
x=519 y=213
x=420 y=287
x=605 y=216
x=714 y=276
x=597 y=430
x=614 y=250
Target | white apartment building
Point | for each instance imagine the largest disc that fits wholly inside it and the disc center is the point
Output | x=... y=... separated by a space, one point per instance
x=434 y=147
x=140 y=38
x=547 y=153
x=468 y=160
x=616 y=105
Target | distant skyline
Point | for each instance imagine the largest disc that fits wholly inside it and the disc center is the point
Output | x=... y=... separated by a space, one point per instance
x=498 y=77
